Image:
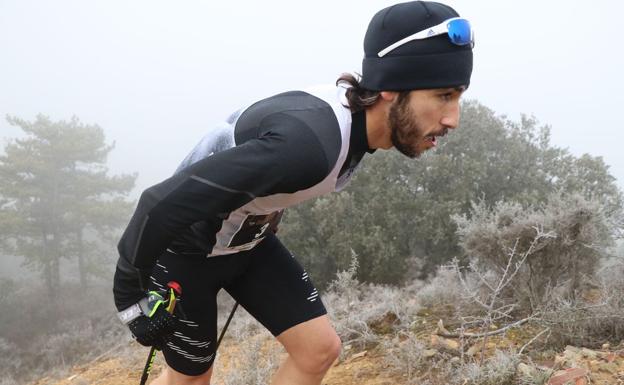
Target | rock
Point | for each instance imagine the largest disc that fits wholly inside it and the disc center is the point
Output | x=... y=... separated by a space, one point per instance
x=525 y=370
x=606 y=346
x=428 y=353
x=594 y=365
x=588 y=353
x=559 y=361
x=561 y=377
x=444 y=343
x=359 y=355
x=385 y=324
x=571 y=356
x=474 y=349
x=441 y=328
x=609 y=368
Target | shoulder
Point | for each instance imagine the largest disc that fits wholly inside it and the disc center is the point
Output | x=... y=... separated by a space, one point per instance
x=301 y=118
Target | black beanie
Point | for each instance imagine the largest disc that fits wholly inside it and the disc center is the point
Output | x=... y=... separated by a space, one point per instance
x=434 y=62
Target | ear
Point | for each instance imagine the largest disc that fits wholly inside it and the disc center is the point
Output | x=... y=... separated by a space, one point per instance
x=389 y=96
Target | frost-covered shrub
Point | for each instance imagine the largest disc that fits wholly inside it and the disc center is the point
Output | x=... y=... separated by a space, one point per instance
x=499 y=369
x=562 y=241
x=593 y=317
x=405 y=356
x=362 y=313
x=257 y=359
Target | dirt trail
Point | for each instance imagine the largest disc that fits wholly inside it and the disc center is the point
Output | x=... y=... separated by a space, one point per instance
x=126 y=370
x=123 y=366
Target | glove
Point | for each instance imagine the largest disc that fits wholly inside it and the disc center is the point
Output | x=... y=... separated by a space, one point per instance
x=149 y=321
x=155 y=330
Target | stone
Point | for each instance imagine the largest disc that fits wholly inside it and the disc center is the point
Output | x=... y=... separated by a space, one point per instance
x=609 y=368
x=441 y=328
x=563 y=376
x=588 y=353
x=444 y=343
x=525 y=370
x=474 y=349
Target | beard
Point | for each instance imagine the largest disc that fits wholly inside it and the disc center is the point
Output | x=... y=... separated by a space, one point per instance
x=405 y=128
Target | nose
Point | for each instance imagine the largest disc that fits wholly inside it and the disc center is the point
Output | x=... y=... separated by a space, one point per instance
x=450 y=118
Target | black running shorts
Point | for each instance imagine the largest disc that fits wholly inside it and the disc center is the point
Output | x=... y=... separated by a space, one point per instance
x=266 y=280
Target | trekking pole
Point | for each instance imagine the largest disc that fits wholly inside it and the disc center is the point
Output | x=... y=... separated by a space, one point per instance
x=174 y=289
x=227 y=323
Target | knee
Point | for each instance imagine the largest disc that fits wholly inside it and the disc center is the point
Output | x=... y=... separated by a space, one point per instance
x=170 y=376
x=319 y=357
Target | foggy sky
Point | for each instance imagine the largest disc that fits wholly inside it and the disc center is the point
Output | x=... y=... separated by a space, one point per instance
x=156 y=75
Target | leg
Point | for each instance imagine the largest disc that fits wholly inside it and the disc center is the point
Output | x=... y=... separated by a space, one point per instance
x=190 y=352
x=312 y=347
x=170 y=376
x=276 y=290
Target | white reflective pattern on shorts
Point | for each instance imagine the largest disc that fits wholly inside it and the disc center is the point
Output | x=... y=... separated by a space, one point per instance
x=189 y=323
x=191 y=341
x=313 y=296
x=188 y=355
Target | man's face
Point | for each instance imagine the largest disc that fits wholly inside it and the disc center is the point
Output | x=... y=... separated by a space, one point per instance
x=417 y=118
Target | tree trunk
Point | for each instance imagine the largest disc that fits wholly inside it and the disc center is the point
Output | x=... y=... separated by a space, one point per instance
x=82 y=268
x=47 y=266
x=55 y=263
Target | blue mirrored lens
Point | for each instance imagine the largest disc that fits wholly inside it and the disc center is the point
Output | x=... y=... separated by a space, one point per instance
x=459 y=32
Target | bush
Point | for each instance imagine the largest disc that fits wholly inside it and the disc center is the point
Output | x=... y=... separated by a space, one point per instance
x=405 y=356
x=595 y=316
x=497 y=370
x=257 y=358
x=361 y=313
x=561 y=243
x=76 y=327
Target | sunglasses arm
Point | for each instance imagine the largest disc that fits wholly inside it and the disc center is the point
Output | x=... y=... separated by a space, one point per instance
x=439 y=29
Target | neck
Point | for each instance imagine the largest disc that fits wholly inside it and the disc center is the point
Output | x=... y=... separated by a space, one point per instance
x=377 y=130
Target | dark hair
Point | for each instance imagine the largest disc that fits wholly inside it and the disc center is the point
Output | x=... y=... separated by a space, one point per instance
x=358 y=97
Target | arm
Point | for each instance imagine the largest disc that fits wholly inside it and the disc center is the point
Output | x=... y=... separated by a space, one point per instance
x=285 y=157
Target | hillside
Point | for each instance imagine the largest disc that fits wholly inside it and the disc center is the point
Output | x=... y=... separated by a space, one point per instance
x=576 y=366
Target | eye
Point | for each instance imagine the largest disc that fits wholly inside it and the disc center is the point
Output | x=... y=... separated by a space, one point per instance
x=447 y=96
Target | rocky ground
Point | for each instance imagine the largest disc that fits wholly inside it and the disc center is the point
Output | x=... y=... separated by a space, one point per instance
x=573 y=366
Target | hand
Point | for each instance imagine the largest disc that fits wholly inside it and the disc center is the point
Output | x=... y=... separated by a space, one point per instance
x=155 y=330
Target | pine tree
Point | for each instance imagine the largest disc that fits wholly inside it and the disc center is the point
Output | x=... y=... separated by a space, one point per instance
x=57 y=199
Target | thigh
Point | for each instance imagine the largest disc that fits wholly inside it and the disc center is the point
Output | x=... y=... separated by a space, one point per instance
x=191 y=349
x=275 y=289
x=313 y=345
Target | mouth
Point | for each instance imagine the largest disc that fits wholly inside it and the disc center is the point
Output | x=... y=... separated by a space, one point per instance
x=432 y=139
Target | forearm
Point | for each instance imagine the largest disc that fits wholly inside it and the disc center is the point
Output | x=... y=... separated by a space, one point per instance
x=129 y=285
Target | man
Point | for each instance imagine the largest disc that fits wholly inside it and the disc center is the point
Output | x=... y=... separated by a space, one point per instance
x=210 y=225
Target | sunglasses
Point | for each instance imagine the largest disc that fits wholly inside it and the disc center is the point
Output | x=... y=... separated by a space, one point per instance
x=457 y=28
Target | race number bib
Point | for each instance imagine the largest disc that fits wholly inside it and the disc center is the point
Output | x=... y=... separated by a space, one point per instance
x=253 y=230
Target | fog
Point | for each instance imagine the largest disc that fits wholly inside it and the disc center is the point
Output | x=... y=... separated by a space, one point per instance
x=156 y=75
